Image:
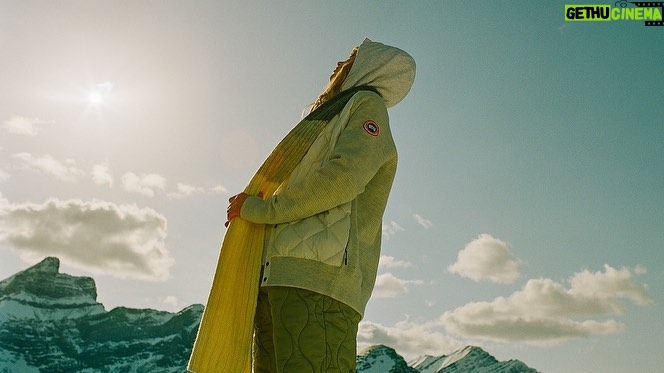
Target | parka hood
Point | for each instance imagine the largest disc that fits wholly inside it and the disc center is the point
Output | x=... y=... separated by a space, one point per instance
x=388 y=69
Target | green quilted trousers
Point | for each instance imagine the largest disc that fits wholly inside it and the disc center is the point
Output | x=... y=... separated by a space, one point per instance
x=299 y=331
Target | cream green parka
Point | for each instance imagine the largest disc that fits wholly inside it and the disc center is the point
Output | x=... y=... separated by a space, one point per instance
x=324 y=223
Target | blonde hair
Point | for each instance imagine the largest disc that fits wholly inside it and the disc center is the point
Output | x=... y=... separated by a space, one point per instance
x=336 y=80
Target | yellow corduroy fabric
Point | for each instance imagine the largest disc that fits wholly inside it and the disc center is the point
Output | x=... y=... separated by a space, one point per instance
x=224 y=339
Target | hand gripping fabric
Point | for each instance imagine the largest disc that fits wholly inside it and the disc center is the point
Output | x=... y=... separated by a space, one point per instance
x=224 y=339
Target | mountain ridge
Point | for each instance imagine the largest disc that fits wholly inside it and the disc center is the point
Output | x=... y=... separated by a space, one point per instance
x=468 y=359
x=50 y=321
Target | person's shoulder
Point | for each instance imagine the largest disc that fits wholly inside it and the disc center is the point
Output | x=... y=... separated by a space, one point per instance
x=368 y=99
x=368 y=95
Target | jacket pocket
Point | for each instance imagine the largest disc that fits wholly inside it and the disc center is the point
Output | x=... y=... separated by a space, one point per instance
x=322 y=237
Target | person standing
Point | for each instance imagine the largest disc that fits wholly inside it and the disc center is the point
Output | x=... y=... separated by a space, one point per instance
x=323 y=224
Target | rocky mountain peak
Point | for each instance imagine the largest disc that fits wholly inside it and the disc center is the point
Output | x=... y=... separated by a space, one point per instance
x=51 y=322
x=48 y=265
x=41 y=291
x=379 y=359
x=468 y=359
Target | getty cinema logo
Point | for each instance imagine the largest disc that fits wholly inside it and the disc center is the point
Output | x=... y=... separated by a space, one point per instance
x=650 y=12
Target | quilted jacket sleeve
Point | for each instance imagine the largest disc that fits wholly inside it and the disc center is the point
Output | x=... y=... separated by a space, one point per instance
x=363 y=147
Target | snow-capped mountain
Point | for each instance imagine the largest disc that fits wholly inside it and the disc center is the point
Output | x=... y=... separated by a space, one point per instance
x=382 y=359
x=468 y=359
x=52 y=322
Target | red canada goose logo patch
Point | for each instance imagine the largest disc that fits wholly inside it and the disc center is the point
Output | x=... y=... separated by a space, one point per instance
x=371 y=127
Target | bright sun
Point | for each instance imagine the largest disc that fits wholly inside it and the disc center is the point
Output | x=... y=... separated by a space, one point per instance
x=95 y=98
x=100 y=93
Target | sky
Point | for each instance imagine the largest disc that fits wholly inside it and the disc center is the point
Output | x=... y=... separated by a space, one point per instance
x=527 y=214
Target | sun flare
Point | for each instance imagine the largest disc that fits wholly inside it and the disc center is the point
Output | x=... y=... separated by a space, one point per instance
x=99 y=93
x=95 y=98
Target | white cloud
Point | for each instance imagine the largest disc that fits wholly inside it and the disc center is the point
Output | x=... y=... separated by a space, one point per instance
x=387 y=261
x=65 y=170
x=186 y=190
x=171 y=303
x=20 y=125
x=102 y=237
x=389 y=286
x=542 y=313
x=610 y=284
x=101 y=174
x=171 y=300
x=219 y=189
x=426 y=223
x=409 y=339
x=146 y=185
x=391 y=228
x=545 y=312
x=487 y=258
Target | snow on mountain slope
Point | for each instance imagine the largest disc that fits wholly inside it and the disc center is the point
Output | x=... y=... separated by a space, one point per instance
x=51 y=322
x=42 y=293
x=382 y=359
x=468 y=359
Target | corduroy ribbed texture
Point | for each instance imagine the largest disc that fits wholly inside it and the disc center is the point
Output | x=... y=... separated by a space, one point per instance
x=224 y=339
